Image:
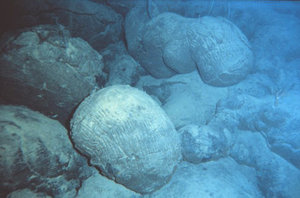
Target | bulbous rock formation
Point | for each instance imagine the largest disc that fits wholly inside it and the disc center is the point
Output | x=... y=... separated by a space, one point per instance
x=36 y=153
x=48 y=71
x=128 y=137
x=221 y=51
x=170 y=44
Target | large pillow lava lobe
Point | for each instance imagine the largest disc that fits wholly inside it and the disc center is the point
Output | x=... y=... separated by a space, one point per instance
x=222 y=52
x=169 y=44
x=126 y=135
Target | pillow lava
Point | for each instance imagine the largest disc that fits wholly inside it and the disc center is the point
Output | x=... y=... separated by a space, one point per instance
x=47 y=70
x=169 y=44
x=223 y=178
x=36 y=153
x=125 y=134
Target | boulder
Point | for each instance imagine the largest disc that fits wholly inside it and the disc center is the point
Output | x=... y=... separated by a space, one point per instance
x=120 y=66
x=221 y=51
x=36 y=153
x=99 y=186
x=205 y=143
x=95 y=23
x=128 y=137
x=276 y=177
x=268 y=108
x=47 y=70
x=223 y=178
x=285 y=141
x=123 y=70
x=169 y=44
x=157 y=44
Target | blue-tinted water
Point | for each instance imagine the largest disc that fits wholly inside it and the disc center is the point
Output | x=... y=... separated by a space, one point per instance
x=150 y=98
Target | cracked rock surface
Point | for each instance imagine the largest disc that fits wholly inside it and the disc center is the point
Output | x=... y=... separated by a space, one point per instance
x=47 y=70
x=170 y=44
x=128 y=137
x=37 y=154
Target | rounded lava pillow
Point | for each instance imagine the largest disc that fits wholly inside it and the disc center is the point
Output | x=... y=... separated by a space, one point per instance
x=36 y=153
x=125 y=134
x=48 y=71
x=222 y=52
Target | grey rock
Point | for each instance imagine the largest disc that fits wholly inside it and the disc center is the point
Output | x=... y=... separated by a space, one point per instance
x=123 y=70
x=205 y=143
x=245 y=15
x=156 y=43
x=99 y=186
x=128 y=137
x=120 y=66
x=285 y=141
x=283 y=133
x=96 y=23
x=274 y=115
x=223 y=178
x=37 y=153
x=170 y=44
x=221 y=51
x=276 y=176
x=112 y=51
x=134 y=24
x=263 y=119
x=47 y=70
x=184 y=97
x=266 y=134
x=26 y=193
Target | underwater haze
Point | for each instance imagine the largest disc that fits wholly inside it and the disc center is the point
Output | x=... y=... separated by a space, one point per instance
x=149 y=98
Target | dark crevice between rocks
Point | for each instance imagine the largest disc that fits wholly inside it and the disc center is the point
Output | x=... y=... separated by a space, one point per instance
x=78 y=187
x=53 y=10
